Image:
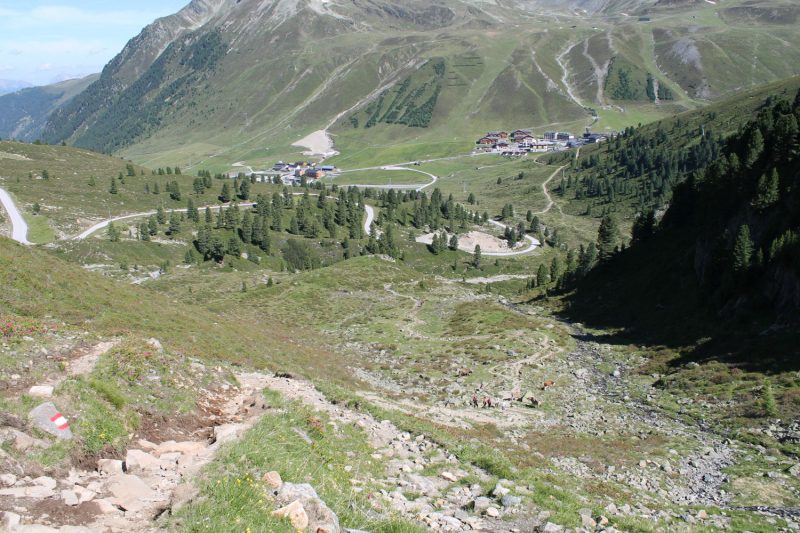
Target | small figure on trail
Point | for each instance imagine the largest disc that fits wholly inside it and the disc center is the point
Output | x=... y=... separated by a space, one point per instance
x=475 y=402
x=489 y=402
x=503 y=405
x=484 y=403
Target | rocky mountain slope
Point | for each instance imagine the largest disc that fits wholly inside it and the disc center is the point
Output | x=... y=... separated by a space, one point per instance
x=221 y=80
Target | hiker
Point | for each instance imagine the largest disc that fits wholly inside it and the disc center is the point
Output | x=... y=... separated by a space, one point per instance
x=484 y=402
x=489 y=402
x=475 y=402
x=503 y=405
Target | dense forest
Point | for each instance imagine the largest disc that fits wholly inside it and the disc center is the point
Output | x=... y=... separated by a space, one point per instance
x=726 y=252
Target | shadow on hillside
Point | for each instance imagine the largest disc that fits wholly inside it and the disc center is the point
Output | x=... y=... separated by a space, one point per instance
x=650 y=298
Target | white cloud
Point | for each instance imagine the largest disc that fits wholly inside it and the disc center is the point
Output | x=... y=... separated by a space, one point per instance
x=46 y=66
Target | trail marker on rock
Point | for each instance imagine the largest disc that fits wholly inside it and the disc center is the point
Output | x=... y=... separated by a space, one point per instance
x=49 y=419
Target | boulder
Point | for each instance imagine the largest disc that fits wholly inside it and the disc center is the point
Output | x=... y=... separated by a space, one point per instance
x=273 y=479
x=302 y=492
x=227 y=432
x=186 y=448
x=23 y=441
x=482 y=503
x=69 y=498
x=44 y=481
x=109 y=466
x=510 y=501
x=8 y=479
x=125 y=486
x=500 y=491
x=50 y=420
x=139 y=459
x=9 y=521
x=550 y=527
x=295 y=513
x=104 y=507
x=321 y=516
x=41 y=391
x=27 y=492
x=448 y=476
x=492 y=512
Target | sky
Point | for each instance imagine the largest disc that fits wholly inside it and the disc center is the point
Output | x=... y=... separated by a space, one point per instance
x=41 y=39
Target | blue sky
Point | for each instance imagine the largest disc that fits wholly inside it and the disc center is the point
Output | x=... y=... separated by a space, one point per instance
x=40 y=39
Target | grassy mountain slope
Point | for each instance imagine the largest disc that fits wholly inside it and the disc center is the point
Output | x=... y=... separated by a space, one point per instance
x=290 y=68
x=23 y=114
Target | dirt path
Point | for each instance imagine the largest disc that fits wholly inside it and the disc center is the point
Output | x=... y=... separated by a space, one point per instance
x=19 y=228
x=550 y=200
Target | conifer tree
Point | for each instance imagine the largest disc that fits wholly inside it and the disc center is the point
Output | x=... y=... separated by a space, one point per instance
x=91 y=181
x=113 y=233
x=234 y=246
x=476 y=258
x=191 y=211
x=294 y=227
x=36 y=207
x=767 y=193
x=247 y=227
x=225 y=194
x=155 y=188
x=152 y=224
x=607 y=237
x=277 y=220
x=209 y=216
x=454 y=242
x=556 y=269
x=144 y=231
x=174 y=224
x=113 y=189
x=742 y=249
x=541 y=275
x=161 y=216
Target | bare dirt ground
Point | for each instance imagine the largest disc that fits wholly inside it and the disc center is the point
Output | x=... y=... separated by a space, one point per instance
x=318 y=143
x=467 y=242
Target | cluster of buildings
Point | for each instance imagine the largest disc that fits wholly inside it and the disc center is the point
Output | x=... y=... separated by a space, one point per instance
x=302 y=169
x=520 y=142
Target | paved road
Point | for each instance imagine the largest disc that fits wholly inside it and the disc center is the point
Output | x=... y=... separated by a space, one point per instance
x=402 y=186
x=532 y=247
x=370 y=217
x=19 y=228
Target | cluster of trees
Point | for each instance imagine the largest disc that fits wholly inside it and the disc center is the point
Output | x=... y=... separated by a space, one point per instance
x=642 y=168
x=162 y=172
x=406 y=98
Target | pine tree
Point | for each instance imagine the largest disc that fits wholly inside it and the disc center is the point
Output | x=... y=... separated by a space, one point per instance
x=144 y=231
x=277 y=220
x=225 y=194
x=556 y=269
x=266 y=239
x=247 y=227
x=152 y=224
x=35 y=208
x=742 y=250
x=161 y=216
x=607 y=237
x=294 y=227
x=476 y=259
x=209 y=216
x=767 y=193
x=155 y=188
x=586 y=259
x=113 y=189
x=92 y=183
x=234 y=246
x=541 y=275
x=454 y=242
x=643 y=226
x=471 y=199
x=113 y=232
x=270 y=283
x=191 y=211
x=174 y=224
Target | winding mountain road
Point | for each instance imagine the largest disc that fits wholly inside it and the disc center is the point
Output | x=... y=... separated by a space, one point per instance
x=19 y=228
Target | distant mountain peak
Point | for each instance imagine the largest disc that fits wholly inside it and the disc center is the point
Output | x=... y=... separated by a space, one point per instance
x=10 y=86
x=66 y=77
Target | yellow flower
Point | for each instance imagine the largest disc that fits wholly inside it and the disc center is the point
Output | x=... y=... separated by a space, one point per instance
x=237 y=520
